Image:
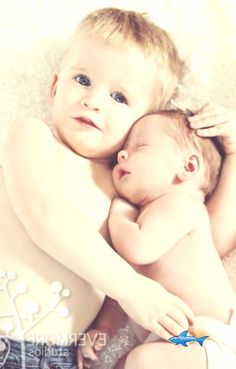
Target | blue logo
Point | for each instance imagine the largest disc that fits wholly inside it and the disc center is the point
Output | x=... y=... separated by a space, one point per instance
x=184 y=338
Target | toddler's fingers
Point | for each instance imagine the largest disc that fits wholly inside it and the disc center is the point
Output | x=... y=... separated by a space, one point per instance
x=209 y=107
x=169 y=328
x=166 y=327
x=174 y=321
x=161 y=331
x=223 y=130
x=208 y=119
x=182 y=313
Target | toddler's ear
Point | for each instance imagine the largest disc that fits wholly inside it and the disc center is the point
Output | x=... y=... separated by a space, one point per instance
x=53 y=87
x=190 y=168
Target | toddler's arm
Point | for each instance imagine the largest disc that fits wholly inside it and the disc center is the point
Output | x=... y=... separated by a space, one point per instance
x=142 y=239
x=33 y=182
x=213 y=120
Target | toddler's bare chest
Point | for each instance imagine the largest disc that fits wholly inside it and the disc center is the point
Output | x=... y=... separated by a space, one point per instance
x=90 y=194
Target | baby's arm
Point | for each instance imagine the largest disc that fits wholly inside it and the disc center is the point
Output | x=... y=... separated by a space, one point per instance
x=213 y=120
x=33 y=181
x=110 y=318
x=142 y=239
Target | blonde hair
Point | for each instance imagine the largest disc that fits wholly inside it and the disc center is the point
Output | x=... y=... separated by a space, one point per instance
x=207 y=148
x=124 y=26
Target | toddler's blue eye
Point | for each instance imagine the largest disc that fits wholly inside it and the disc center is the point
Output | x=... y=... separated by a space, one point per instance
x=119 y=97
x=83 y=80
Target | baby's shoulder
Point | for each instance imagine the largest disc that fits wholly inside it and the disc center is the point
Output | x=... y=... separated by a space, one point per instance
x=188 y=202
x=175 y=198
x=182 y=205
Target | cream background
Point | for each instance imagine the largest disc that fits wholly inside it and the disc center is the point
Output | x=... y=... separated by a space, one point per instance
x=33 y=32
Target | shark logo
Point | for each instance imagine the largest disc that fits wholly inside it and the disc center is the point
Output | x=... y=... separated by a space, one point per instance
x=183 y=338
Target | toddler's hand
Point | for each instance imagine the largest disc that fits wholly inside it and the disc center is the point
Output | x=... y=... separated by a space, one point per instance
x=157 y=310
x=93 y=341
x=122 y=207
x=214 y=120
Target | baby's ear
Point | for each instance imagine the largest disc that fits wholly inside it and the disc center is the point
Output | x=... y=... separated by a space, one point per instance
x=53 y=87
x=190 y=167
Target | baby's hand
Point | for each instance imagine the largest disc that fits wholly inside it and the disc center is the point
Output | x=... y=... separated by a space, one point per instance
x=122 y=207
x=93 y=341
x=214 y=120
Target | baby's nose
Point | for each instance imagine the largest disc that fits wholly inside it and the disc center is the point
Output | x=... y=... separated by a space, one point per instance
x=122 y=156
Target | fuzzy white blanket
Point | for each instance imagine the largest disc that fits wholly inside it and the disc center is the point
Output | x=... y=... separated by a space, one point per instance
x=32 y=35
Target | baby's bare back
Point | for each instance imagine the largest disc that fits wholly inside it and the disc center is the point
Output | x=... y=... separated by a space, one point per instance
x=193 y=271
x=51 y=300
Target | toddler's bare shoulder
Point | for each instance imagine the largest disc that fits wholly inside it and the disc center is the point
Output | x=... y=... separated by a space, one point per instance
x=30 y=126
x=29 y=135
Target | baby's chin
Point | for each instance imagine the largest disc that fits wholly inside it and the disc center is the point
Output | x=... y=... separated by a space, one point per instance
x=125 y=189
x=135 y=198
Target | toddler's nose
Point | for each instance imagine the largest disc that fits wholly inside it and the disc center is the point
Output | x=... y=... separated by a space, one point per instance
x=93 y=99
x=89 y=103
x=122 y=156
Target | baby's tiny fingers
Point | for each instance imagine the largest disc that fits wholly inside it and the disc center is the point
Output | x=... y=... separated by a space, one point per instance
x=102 y=341
x=87 y=363
x=99 y=345
x=80 y=359
x=88 y=353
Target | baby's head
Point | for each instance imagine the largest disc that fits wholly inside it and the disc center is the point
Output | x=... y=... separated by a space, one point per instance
x=118 y=66
x=162 y=154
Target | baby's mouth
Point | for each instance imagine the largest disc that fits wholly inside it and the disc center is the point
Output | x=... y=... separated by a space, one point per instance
x=122 y=172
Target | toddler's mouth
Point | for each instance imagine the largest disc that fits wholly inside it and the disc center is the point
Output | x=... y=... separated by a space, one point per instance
x=84 y=121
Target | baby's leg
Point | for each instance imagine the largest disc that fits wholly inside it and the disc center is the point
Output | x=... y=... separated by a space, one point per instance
x=164 y=355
